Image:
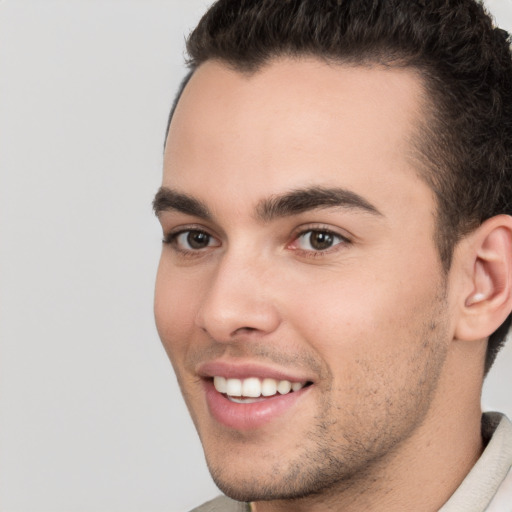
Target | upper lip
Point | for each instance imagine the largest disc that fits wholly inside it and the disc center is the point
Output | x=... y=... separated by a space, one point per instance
x=241 y=370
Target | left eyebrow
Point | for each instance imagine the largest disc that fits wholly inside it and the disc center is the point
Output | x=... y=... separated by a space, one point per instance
x=313 y=198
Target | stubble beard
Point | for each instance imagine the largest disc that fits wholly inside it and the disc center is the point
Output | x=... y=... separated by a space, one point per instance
x=334 y=459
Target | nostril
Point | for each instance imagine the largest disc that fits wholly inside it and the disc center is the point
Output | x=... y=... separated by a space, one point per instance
x=245 y=329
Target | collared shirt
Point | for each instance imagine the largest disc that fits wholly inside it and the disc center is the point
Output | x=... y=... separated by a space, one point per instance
x=486 y=488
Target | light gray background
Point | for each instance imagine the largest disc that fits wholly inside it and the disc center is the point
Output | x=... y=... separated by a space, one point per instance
x=90 y=415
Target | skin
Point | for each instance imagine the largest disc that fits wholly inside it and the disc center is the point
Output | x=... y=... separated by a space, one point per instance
x=371 y=321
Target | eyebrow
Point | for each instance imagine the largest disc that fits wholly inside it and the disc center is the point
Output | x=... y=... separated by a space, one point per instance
x=312 y=198
x=167 y=199
x=283 y=205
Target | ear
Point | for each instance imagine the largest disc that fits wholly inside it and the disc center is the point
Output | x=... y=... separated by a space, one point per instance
x=486 y=298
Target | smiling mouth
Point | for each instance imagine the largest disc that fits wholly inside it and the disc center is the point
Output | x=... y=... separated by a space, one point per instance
x=253 y=389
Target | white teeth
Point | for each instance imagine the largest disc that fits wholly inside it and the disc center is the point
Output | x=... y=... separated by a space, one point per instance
x=284 y=387
x=253 y=387
x=297 y=385
x=220 y=384
x=234 y=387
x=268 y=387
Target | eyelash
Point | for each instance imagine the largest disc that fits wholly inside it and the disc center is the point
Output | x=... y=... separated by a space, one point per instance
x=172 y=239
x=343 y=241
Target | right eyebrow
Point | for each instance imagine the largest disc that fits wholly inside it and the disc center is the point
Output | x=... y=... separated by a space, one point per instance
x=167 y=199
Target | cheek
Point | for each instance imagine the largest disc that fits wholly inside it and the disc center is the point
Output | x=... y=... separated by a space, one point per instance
x=175 y=309
x=381 y=347
x=363 y=313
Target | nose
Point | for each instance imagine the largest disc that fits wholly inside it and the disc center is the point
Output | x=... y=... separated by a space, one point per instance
x=239 y=300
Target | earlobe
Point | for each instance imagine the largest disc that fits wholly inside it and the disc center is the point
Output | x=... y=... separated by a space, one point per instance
x=487 y=300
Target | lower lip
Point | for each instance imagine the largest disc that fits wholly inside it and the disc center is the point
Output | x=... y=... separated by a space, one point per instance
x=248 y=416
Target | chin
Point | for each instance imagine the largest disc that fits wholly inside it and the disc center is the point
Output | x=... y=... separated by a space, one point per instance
x=268 y=480
x=256 y=490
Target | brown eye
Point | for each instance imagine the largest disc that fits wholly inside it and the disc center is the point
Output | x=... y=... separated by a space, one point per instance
x=318 y=240
x=194 y=240
x=198 y=240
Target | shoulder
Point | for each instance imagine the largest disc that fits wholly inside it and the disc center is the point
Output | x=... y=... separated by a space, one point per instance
x=222 y=504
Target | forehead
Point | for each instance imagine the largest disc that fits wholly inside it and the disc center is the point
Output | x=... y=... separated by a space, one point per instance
x=293 y=123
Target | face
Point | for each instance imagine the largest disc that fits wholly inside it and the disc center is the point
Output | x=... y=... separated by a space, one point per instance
x=300 y=296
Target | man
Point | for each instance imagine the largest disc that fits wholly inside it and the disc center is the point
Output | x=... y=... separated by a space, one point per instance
x=336 y=273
